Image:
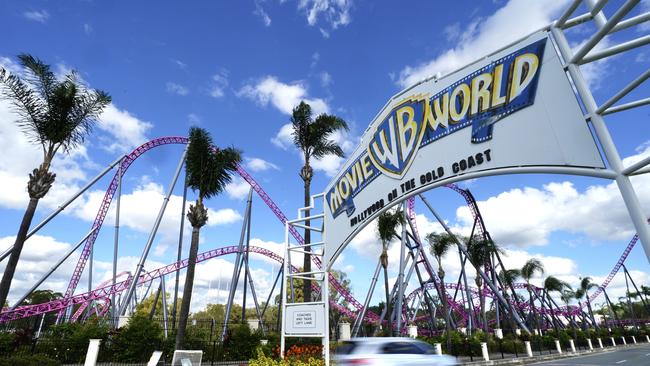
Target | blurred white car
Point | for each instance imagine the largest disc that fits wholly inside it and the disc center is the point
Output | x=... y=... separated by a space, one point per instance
x=379 y=351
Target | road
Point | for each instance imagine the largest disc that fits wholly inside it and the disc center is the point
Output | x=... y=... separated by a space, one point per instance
x=629 y=356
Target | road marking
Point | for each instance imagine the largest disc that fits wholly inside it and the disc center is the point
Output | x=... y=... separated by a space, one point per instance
x=621 y=361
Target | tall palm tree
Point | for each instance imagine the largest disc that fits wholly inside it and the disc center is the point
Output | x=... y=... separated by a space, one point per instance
x=553 y=284
x=387 y=224
x=312 y=137
x=528 y=271
x=566 y=296
x=508 y=278
x=480 y=252
x=585 y=286
x=439 y=246
x=208 y=171
x=55 y=114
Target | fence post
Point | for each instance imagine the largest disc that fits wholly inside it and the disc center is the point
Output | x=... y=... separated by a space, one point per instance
x=634 y=339
x=591 y=347
x=572 y=345
x=558 y=347
x=613 y=341
x=438 y=348
x=484 y=351
x=624 y=342
x=529 y=351
x=600 y=343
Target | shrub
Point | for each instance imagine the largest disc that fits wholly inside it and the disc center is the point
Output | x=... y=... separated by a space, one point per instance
x=136 y=341
x=240 y=343
x=7 y=343
x=31 y=360
x=264 y=360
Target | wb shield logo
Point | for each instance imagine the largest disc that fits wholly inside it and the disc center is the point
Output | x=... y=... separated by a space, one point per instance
x=397 y=138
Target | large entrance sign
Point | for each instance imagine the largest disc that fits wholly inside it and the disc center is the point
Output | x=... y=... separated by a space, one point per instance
x=512 y=109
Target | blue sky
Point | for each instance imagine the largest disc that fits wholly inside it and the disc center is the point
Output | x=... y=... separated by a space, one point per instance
x=237 y=68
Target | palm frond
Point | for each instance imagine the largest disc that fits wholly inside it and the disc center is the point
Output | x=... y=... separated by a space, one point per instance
x=38 y=74
x=530 y=268
x=440 y=243
x=387 y=224
x=552 y=283
x=509 y=276
x=29 y=106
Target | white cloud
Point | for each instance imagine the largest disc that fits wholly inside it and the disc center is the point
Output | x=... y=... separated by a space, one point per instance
x=514 y=20
x=223 y=216
x=193 y=119
x=40 y=16
x=219 y=84
x=238 y=188
x=325 y=79
x=260 y=12
x=284 y=138
x=88 y=29
x=259 y=165
x=177 y=89
x=181 y=65
x=527 y=216
x=282 y=96
x=335 y=13
x=126 y=129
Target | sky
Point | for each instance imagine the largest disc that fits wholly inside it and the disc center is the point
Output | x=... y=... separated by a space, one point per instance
x=237 y=68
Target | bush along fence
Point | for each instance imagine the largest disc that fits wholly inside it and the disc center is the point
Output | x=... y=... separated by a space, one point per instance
x=135 y=342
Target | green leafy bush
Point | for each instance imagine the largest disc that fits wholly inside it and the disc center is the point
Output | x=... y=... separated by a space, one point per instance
x=23 y=360
x=136 y=341
x=7 y=343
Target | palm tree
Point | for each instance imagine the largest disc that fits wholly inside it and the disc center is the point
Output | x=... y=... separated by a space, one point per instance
x=439 y=246
x=387 y=224
x=507 y=279
x=312 y=137
x=480 y=252
x=55 y=114
x=585 y=285
x=528 y=271
x=553 y=284
x=566 y=296
x=208 y=171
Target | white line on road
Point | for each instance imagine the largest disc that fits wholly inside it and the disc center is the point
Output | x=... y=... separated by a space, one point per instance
x=621 y=361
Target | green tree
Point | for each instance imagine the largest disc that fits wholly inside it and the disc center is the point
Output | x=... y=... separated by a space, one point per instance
x=55 y=114
x=508 y=278
x=531 y=267
x=387 y=224
x=439 y=245
x=553 y=284
x=312 y=137
x=208 y=171
x=585 y=286
x=479 y=252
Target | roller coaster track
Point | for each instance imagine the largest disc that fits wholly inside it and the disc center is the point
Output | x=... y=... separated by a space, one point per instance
x=101 y=292
x=104 y=292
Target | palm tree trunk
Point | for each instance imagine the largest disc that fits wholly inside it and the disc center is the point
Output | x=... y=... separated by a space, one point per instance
x=8 y=275
x=306 y=264
x=187 y=289
x=390 y=322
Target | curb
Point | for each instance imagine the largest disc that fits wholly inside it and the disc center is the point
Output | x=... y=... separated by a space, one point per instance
x=527 y=360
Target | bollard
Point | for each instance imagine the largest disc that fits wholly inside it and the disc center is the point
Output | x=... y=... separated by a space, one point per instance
x=624 y=342
x=93 y=351
x=591 y=347
x=600 y=343
x=498 y=332
x=484 y=351
x=344 y=331
x=518 y=331
x=573 y=346
x=557 y=346
x=647 y=338
x=634 y=339
x=613 y=341
x=529 y=351
x=438 y=348
x=413 y=331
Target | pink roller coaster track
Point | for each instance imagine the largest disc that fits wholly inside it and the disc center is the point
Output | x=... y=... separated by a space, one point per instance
x=102 y=293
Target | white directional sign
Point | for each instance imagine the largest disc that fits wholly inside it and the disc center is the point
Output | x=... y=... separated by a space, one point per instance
x=305 y=319
x=507 y=112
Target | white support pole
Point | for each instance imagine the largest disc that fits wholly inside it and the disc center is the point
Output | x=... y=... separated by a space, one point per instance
x=591 y=346
x=484 y=352
x=529 y=351
x=609 y=149
x=283 y=299
x=116 y=242
x=600 y=343
x=558 y=347
x=613 y=341
x=572 y=345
